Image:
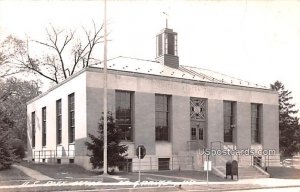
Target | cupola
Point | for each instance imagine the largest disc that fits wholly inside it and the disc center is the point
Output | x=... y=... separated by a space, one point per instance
x=166 y=48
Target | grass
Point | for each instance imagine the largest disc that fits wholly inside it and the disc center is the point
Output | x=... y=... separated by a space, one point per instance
x=60 y=171
x=73 y=171
x=284 y=172
x=12 y=174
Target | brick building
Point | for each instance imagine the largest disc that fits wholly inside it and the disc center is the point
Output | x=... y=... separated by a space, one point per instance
x=175 y=111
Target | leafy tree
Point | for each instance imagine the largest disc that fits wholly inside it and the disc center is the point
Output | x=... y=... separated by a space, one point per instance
x=289 y=128
x=56 y=58
x=7 y=156
x=14 y=94
x=115 y=151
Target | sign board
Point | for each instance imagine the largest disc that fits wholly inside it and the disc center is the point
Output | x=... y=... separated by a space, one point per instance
x=140 y=149
x=207 y=165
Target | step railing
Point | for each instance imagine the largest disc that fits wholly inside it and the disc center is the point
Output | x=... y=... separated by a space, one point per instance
x=260 y=161
x=52 y=154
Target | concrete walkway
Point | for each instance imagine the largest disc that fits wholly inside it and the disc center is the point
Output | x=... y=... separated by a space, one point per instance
x=32 y=173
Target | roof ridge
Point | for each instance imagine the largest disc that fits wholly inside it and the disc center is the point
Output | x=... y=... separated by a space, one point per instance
x=224 y=75
x=133 y=58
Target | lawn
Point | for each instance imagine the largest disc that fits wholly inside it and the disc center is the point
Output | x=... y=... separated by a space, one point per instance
x=284 y=172
x=12 y=174
x=60 y=171
x=73 y=171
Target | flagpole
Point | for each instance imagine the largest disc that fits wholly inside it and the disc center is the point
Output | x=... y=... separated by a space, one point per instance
x=105 y=94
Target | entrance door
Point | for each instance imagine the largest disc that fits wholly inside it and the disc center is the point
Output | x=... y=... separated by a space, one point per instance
x=197 y=133
x=198 y=112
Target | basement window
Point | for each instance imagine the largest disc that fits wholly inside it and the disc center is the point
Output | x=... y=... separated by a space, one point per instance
x=163 y=164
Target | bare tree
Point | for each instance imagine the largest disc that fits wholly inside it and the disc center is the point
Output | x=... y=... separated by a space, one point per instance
x=63 y=53
x=5 y=54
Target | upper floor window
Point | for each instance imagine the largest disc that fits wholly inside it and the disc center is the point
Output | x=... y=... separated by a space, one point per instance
x=162 y=117
x=71 y=112
x=44 y=126
x=255 y=122
x=124 y=113
x=229 y=120
x=33 y=128
x=58 y=122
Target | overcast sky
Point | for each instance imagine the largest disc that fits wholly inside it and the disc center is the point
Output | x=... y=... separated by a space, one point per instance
x=258 y=41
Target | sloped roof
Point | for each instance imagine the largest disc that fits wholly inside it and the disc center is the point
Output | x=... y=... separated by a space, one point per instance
x=142 y=66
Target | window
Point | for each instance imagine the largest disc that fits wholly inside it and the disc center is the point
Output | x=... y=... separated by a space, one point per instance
x=200 y=134
x=162 y=117
x=197 y=128
x=171 y=44
x=124 y=113
x=33 y=128
x=229 y=121
x=159 y=45
x=163 y=163
x=58 y=122
x=193 y=133
x=44 y=131
x=71 y=100
x=255 y=122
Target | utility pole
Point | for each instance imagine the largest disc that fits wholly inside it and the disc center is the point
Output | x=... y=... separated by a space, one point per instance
x=105 y=94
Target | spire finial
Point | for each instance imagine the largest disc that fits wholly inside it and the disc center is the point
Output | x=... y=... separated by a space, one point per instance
x=166 y=14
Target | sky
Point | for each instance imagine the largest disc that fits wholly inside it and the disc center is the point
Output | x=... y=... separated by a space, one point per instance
x=257 y=41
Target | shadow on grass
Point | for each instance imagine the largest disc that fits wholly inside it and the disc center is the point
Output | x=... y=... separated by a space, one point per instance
x=284 y=172
x=12 y=174
x=60 y=171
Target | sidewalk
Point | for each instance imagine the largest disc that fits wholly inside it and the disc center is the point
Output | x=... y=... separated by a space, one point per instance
x=32 y=173
x=159 y=181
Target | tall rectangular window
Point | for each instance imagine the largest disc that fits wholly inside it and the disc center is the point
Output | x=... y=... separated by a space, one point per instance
x=161 y=117
x=44 y=127
x=193 y=133
x=171 y=44
x=229 y=120
x=159 y=45
x=255 y=122
x=71 y=112
x=33 y=128
x=124 y=113
x=58 y=122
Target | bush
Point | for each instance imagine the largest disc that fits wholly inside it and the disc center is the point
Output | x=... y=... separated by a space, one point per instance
x=7 y=156
x=18 y=147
